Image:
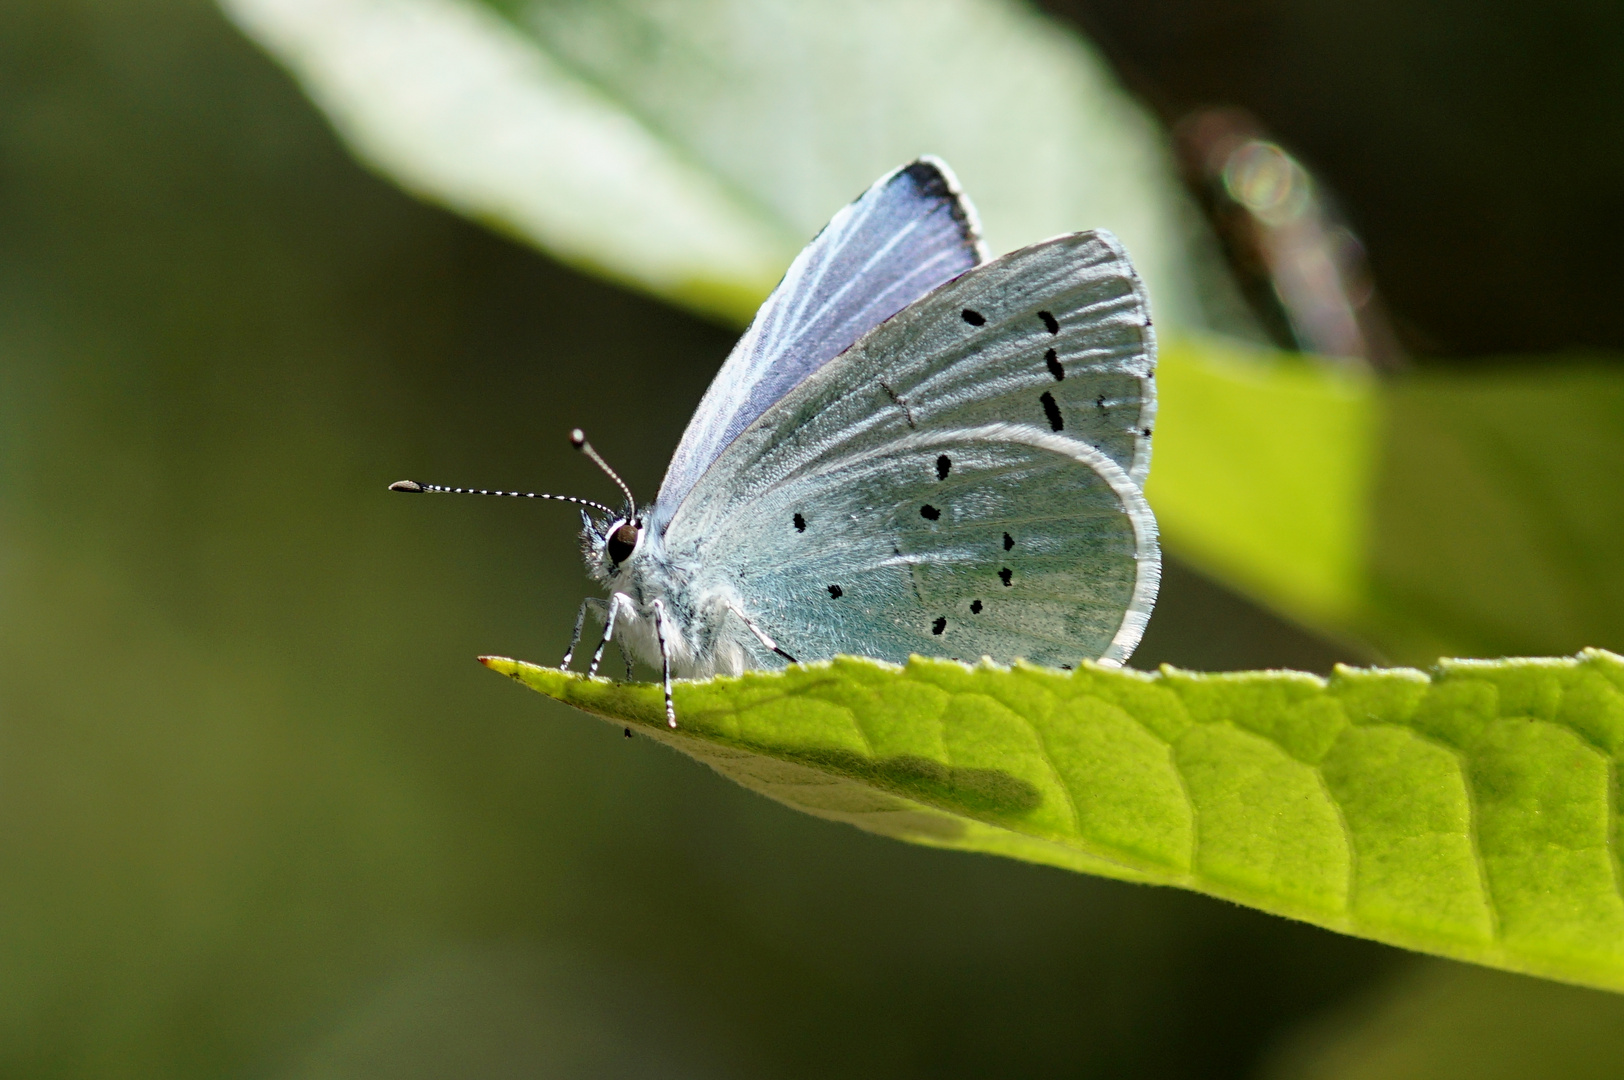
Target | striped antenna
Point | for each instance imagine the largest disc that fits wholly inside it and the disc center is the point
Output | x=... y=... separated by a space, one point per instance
x=415 y=488
x=578 y=440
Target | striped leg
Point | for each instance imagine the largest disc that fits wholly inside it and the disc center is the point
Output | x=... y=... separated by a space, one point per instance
x=615 y=602
x=596 y=604
x=665 y=662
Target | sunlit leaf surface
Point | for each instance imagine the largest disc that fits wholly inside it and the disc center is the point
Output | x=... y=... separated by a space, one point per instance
x=1468 y=812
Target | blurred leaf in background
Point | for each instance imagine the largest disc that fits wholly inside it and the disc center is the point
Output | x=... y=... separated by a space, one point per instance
x=640 y=136
x=261 y=813
x=1445 y=1022
x=1307 y=485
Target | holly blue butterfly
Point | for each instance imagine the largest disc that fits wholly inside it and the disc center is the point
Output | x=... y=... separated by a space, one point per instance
x=912 y=449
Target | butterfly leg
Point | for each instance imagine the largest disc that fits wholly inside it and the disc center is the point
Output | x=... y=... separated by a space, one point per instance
x=608 y=630
x=665 y=662
x=592 y=602
x=761 y=635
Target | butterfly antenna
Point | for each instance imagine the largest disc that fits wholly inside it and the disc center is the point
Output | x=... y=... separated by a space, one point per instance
x=415 y=488
x=578 y=440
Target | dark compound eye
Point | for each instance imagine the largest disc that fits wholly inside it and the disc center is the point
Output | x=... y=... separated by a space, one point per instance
x=622 y=542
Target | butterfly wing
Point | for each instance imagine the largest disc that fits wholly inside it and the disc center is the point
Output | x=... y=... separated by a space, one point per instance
x=906 y=235
x=964 y=481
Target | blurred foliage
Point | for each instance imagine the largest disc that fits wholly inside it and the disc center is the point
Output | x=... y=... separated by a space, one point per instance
x=1469 y=814
x=1442 y=512
x=1445 y=1022
x=258 y=813
x=1263 y=474
x=1499 y=516
x=1472 y=145
x=1321 y=493
x=693 y=148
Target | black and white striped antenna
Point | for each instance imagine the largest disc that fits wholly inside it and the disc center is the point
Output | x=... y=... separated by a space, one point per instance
x=577 y=440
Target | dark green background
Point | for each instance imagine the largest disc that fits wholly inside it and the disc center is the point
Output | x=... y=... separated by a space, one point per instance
x=260 y=812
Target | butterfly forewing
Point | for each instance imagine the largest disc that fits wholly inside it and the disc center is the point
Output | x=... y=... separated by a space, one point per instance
x=905 y=236
x=939 y=489
x=1056 y=335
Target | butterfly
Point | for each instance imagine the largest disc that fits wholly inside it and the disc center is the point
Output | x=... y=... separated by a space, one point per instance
x=912 y=450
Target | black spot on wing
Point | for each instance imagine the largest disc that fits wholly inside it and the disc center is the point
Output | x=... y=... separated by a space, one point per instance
x=1053 y=363
x=1145 y=432
x=1052 y=411
x=1009 y=541
x=1050 y=323
x=975 y=607
x=1006 y=575
x=929 y=512
x=973 y=317
x=944 y=465
x=836 y=591
x=939 y=625
x=800 y=523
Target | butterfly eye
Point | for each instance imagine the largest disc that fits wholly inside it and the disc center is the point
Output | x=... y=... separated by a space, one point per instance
x=622 y=542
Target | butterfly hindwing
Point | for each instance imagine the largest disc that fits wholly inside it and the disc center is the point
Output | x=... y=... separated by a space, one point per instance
x=938 y=489
x=905 y=236
x=1001 y=541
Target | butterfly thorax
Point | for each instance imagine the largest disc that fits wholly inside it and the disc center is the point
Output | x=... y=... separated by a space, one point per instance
x=632 y=563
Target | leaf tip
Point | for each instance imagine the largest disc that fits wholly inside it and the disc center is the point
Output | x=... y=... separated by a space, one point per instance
x=513 y=669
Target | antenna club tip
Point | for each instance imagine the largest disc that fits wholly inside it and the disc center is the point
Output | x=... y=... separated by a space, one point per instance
x=577 y=438
x=407 y=485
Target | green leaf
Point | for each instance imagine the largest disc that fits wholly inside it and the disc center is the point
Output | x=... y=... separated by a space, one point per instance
x=1475 y=512
x=692 y=149
x=1264 y=469
x=1468 y=813
x=1498 y=512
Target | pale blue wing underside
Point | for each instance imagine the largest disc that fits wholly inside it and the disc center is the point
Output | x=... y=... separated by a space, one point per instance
x=968 y=477
x=905 y=236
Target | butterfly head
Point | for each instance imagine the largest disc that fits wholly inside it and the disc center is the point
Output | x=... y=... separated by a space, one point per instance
x=608 y=544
